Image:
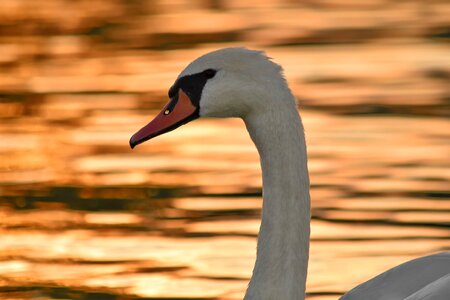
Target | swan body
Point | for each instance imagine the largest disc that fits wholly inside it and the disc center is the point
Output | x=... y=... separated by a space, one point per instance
x=423 y=278
x=242 y=83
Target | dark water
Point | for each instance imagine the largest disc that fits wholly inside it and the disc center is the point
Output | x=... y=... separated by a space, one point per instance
x=84 y=217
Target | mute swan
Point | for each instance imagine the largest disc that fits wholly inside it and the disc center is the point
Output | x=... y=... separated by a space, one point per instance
x=236 y=82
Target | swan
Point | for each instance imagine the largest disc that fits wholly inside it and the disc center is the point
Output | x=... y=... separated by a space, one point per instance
x=242 y=83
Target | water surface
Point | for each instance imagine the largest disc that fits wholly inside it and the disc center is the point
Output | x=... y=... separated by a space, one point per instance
x=85 y=217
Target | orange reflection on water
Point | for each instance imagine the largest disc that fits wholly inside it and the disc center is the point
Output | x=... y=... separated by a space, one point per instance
x=85 y=217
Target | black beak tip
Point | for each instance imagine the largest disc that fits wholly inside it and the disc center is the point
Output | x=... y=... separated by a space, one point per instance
x=132 y=143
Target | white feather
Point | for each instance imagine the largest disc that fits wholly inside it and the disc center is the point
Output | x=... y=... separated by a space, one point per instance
x=250 y=86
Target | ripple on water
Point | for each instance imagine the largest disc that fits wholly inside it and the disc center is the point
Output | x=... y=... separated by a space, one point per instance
x=85 y=217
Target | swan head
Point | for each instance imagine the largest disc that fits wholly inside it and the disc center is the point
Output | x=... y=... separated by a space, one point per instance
x=230 y=82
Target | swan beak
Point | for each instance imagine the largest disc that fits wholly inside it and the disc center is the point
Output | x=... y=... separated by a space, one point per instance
x=177 y=112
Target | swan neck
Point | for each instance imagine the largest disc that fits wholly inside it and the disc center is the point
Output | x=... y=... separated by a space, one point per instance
x=283 y=242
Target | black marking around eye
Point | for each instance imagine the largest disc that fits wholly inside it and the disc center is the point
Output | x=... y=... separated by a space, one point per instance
x=210 y=73
x=173 y=91
x=192 y=85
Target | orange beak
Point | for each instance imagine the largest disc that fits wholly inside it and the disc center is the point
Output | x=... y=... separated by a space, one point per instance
x=177 y=112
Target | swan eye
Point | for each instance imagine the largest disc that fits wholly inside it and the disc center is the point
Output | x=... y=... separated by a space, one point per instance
x=167 y=111
x=210 y=73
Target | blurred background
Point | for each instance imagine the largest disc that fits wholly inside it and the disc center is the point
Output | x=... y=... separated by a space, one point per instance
x=84 y=217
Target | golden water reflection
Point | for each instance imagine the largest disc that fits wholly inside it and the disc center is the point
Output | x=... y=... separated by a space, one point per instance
x=84 y=217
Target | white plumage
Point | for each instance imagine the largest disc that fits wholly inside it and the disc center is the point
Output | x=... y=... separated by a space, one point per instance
x=250 y=86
